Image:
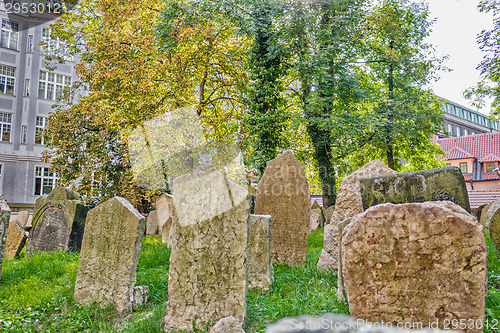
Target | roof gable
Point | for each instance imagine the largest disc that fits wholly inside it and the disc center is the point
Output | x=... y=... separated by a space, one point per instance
x=479 y=146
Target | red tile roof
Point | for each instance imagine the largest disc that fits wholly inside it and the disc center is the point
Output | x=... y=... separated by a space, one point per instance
x=467 y=177
x=457 y=153
x=480 y=197
x=489 y=158
x=490 y=176
x=479 y=145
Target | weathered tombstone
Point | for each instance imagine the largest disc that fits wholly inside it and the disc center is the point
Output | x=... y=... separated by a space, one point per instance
x=488 y=212
x=430 y=185
x=4 y=226
x=477 y=211
x=227 y=325
x=283 y=192
x=317 y=218
x=110 y=252
x=415 y=262
x=347 y=205
x=207 y=277
x=152 y=223
x=165 y=211
x=58 y=222
x=484 y=213
x=23 y=218
x=494 y=229
x=340 y=276
x=16 y=238
x=328 y=214
x=259 y=267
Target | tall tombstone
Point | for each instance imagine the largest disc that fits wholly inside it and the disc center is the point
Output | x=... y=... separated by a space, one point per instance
x=58 y=222
x=283 y=193
x=259 y=267
x=207 y=277
x=165 y=211
x=4 y=227
x=109 y=256
x=347 y=205
x=16 y=238
x=429 y=185
x=494 y=228
x=152 y=223
x=416 y=262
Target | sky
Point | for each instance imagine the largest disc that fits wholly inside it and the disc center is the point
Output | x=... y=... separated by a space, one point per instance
x=454 y=34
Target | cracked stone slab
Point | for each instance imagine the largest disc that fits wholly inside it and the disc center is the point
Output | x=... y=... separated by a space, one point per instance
x=347 y=205
x=283 y=193
x=110 y=253
x=4 y=227
x=16 y=238
x=415 y=262
x=58 y=222
x=259 y=267
x=207 y=274
x=444 y=184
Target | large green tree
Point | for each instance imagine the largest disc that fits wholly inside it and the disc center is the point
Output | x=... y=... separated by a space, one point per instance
x=399 y=65
x=489 y=42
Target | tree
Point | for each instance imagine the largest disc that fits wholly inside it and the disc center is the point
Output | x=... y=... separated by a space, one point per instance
x=128 y=80
x=489 y=41
x=399 y=64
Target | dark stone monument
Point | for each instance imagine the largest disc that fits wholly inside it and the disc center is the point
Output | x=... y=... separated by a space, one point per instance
x=58 y=222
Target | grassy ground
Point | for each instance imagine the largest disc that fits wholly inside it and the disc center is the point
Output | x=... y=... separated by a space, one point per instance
x=36 y=293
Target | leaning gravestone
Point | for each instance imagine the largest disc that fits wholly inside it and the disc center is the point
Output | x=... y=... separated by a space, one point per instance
x=110 y=252
x=317 y=219
x=494 y=229
x=58 y=222
x=284 y=194
x=165 y=211
x=207 y=277
x=416 y=262
x=419 y=186
x=16 y=238
x=4 y=226
x=259 y=267
x=152 y=223
x=347 y=205
x=23 y=218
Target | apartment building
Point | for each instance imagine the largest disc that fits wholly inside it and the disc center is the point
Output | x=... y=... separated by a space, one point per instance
x=27 y=92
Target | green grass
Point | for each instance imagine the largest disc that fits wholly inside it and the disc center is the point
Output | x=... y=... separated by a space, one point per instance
x=36 y=293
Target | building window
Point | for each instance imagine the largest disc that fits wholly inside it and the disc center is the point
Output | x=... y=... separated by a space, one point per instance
x=5 y=126
x=45 y=180
x=450 y=129
x=24 y=134
x=50 y=85
x=7 y=79
x=458 y=131
x=463 y=167
x=27 y=84
x=473 y=133
x=466 y=132
x=10 y=34
x=41 y=123
x=490 y=167
x=29 y=49
x=53 y=44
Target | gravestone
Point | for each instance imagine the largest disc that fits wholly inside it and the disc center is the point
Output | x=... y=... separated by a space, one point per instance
x=165 y=211
x=317 y=219
x=207 y=277
x=328 y=214
x=23 y=218
x=110 y=252
x=58 y=222
x=430 y=185
x=340 y=276
x=415 y=262
x=347 y=205
x=494 y=229
x=488 y=212
x=4 y=226
x=484 y=213
x=227 y=325
x=16 y=238
x=152 y=223
x=259 y=267
x=283 y=193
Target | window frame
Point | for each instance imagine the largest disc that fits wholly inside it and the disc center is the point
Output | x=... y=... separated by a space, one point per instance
x=50 y=82
x=461 y=164
x=40 y=129
x=51 y=176
x=7 y=79
x=7 y=30
x=487 y=165
x=4 y=124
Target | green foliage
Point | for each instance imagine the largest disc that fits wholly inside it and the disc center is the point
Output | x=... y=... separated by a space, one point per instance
x=489 y=67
